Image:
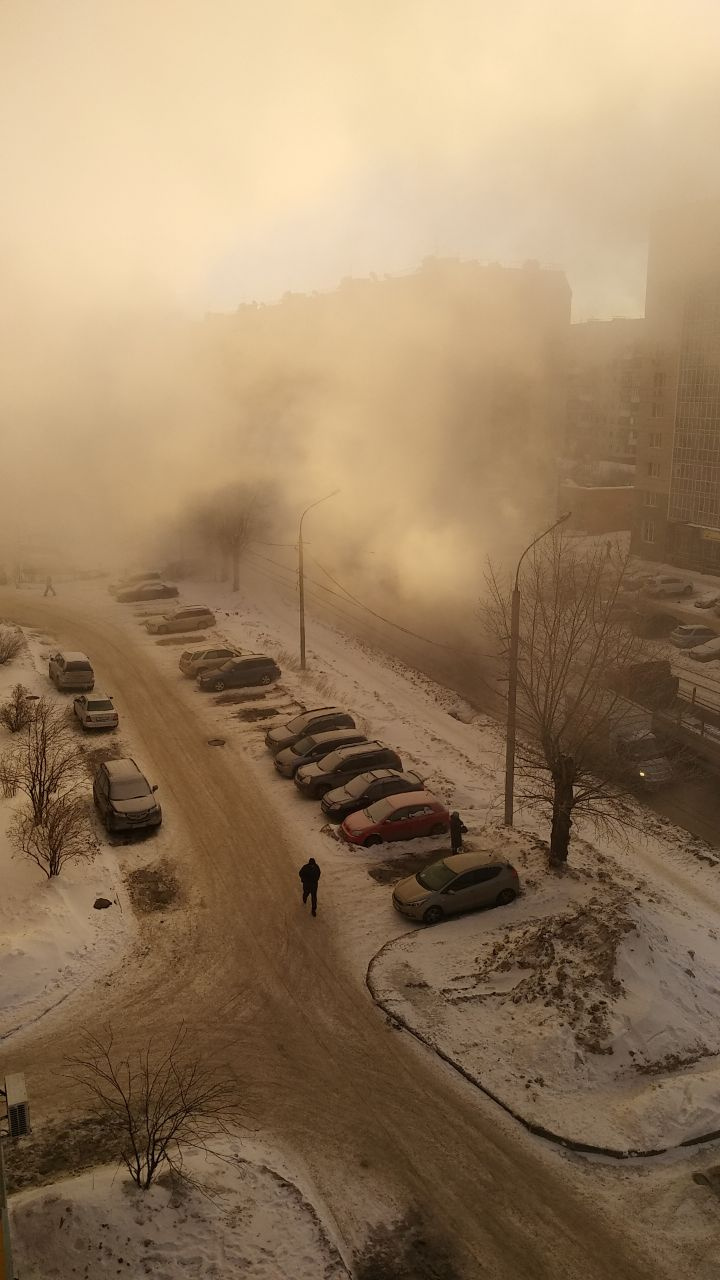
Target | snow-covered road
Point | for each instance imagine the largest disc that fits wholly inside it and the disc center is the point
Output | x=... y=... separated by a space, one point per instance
x=377 y=1122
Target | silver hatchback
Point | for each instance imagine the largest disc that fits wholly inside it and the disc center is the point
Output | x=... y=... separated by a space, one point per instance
x=462 y=882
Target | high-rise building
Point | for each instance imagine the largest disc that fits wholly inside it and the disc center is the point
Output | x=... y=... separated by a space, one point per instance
x=677 y=512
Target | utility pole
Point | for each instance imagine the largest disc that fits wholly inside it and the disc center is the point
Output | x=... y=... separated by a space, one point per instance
x=18 y=1119
x=301 y=574
x=513 y=674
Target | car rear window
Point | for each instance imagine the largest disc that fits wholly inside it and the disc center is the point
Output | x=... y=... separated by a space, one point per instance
x=100 y=704
x=78 y=666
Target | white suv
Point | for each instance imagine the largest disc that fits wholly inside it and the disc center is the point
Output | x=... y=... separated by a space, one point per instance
x=189 y=618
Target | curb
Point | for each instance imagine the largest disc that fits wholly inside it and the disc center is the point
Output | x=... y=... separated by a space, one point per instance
x=539 y=1130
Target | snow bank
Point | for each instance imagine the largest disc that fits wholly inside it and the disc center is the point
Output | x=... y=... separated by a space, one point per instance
x=243 y=1220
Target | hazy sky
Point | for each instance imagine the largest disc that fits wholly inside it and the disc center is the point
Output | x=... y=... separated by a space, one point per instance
x=214 y=151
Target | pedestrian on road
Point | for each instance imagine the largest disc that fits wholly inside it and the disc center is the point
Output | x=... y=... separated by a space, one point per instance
x=309 y=876
x=49 y=588
x=457 y=831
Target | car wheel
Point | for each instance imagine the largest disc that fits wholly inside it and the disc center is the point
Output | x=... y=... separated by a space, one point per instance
x=438 y=830
x=505 y=897
x=371 y=840
x=433 y=915
x=265 y=679
x=218 y=686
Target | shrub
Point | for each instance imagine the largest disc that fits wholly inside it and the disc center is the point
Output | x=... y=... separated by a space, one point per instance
x=11 y=642
x=17 y=712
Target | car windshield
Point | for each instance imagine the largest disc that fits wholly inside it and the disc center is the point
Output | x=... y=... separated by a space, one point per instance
x=100 y=704
x=299 y=723
x=188 y=656
x=332 y=761
x=130 y=789
x=303 y=745
x=228 y=666
x=435 y=877
x=381 y=809
x=358 y=785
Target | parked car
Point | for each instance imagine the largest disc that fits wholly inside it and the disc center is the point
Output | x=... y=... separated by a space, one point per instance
x=192 y=617
x=313 y=747
x=239 y=673
x=643 y=761
x=652 y=626
x=133 y=580
x=365 y=789
x=96 y=711
x=635 y=581
x=316 y=720
x=195 y=662
x=708 y=600
x=147 y=591
x=687 y=636
x=331 y=771
x=124 y=798
x=667 y=584
x=709 y=652
x=402 y=817
x=69 y=670
x=462 y=882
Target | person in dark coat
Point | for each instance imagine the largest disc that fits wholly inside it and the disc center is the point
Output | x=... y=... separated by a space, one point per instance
x=457 y=831
x=309 y=876
x=49 y=588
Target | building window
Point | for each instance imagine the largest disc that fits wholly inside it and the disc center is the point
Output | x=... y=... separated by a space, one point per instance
x=655 y=439
x=650 y=499
x=657 y=411
x=648 y=531
x=658 y=382
x=653 y=469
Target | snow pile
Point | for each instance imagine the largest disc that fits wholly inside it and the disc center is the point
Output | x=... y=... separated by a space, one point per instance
x=242 y=1220
x=599 y=1021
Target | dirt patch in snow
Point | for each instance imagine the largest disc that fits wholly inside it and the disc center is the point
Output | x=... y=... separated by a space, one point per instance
x=257 y=713
x=108 y=749
x=405 y=864
x=153 y=888
x=567 y=962
x=194 y=638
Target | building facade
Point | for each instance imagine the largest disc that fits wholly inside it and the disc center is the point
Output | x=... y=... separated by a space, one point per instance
x=677 y=505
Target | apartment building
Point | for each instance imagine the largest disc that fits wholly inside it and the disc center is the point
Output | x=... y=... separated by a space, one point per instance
x=677 y=500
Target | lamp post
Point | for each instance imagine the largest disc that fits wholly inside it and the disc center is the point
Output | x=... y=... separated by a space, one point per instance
x=301 y=574
x=512 y=677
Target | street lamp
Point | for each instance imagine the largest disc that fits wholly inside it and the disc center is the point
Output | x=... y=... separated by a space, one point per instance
x=301 y=574
x=512 y=678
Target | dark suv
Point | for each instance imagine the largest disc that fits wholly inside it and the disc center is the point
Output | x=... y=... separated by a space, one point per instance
x=340 y=766
x=124 y=798
x=365 y=789
x=317 y=720
x=313 y=747
x=251 y=668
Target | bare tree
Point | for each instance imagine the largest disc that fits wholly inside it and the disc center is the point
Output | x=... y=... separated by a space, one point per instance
x=228 y=520
x=11 y=642
x=160 y=1102
x=572 y=646
x=17 y=712
x=63 y=836
x=8 y=776
x=47 y=759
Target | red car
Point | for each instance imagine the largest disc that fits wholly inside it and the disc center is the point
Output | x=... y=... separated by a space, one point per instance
x=399 y=817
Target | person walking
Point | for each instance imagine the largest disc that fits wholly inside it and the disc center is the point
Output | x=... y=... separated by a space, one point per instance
x=49 y=588
x=457 y=831
x=309 y=876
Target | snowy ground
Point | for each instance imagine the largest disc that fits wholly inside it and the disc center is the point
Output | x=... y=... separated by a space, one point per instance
x=547 y=1009
x=243 y=1219
x=52 y=940
x=645 y=984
